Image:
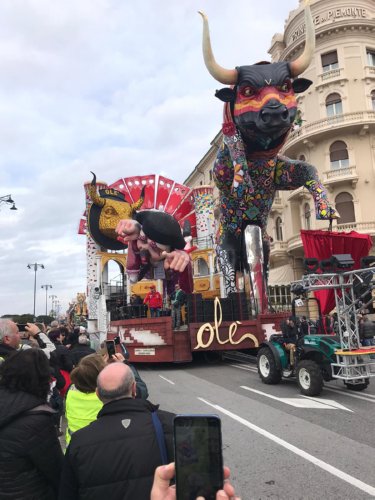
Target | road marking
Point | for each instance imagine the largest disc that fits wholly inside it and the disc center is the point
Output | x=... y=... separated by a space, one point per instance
x=167 y=380
x=346 y=392
x=349 y=392
x=321 y=404
x=353 y=481
x=245 y=367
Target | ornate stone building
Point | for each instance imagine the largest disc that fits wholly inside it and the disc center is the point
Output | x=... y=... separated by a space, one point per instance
x=336 y=131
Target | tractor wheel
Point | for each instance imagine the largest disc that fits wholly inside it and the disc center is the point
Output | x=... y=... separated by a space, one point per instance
x=357 y=387
x=267 y=369
x=309 y=378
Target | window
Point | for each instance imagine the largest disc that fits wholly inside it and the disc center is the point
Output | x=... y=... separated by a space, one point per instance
x=373 y=99
x=334 y=105
x=210 y=173
x=345 y=207
x=201 y=268
x=280 y=297
x=371 y=57
x=330 y=61
x=338 y=154
x=302 y=157
x=279 y=229
x=307 y=215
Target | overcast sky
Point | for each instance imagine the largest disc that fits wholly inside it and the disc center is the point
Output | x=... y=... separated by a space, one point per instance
x=114 y=86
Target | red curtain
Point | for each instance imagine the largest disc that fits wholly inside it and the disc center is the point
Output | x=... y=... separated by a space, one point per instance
x=323 y=244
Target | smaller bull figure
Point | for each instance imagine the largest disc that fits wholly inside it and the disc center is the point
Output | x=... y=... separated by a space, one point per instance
x=259 y=111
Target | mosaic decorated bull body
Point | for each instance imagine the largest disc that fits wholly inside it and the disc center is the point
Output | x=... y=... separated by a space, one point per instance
x=259 y=111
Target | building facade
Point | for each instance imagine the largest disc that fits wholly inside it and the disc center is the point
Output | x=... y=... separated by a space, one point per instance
x=335 y=132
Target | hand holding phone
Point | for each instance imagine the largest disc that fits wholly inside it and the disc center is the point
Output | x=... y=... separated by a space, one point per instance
x=198 y=456
x=111 y=349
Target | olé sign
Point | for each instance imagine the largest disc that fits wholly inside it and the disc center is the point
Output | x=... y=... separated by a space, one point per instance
x=208 y=332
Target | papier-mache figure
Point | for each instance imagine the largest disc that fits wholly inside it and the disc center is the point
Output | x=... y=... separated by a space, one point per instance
x=154 y=238
x=259 y=111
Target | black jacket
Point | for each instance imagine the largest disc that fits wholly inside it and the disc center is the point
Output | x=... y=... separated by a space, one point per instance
x=79 y=351
x=116 y=455
x=5 y=350
x=30 y=453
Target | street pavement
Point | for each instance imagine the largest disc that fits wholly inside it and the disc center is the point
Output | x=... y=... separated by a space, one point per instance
x=278 y=443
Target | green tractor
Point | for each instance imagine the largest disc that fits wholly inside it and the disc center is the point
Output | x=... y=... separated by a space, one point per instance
x=315 y=363
x=323 y=357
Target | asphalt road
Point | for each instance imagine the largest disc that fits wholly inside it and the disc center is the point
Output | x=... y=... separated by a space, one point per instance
x=278 y=444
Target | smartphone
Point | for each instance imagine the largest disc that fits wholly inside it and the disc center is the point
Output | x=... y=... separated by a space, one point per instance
x=111 y=349
x=198 y=456
x=21 y=327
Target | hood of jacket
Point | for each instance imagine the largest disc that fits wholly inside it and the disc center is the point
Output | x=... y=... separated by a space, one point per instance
x=13 y=404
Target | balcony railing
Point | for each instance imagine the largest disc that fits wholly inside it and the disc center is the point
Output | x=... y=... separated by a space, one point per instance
x=333 y=73
x=341 y=175
x=370 y=71
x=360 y=227
x=356 y=118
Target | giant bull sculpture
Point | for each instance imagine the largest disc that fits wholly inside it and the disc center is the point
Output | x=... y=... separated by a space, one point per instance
x=260 y=108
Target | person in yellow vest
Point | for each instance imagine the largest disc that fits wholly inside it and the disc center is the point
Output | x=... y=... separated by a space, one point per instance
x=82 y=403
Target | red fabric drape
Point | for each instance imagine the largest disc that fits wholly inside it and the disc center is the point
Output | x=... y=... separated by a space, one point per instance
x=323 y=244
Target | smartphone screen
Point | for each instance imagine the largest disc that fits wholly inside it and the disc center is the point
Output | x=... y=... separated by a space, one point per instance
x=198 y=456
x=21 y=327
x=110 y=347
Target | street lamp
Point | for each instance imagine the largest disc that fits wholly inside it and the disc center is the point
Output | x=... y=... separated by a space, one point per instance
x=46 y=287
x=8 y=199
x=35 y=267
x=53 y=297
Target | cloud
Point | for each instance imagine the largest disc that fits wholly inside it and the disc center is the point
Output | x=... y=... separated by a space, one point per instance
x=109 y=86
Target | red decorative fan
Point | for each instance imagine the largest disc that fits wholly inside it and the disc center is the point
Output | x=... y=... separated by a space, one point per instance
x=161 y=193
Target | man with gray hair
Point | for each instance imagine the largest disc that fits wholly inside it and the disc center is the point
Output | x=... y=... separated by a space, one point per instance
x=10 y=338
x=116 y=455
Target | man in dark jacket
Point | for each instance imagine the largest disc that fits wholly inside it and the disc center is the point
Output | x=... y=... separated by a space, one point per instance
x=290 y=336
x=115 y=456
x=80 y=349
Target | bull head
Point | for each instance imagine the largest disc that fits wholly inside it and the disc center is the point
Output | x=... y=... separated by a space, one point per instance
x=262 y=96
x=112 y=208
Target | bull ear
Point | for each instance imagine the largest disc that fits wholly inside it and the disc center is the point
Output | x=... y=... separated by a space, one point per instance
x=226 y=94
x=301 y=84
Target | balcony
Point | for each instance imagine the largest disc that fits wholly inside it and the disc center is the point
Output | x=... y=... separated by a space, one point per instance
x=341 y=176
x=299 y=194
x=369 y=73
x=314 y=131
x=360 y=227
x=334 y=75
x=294 y=244
x=279 y=249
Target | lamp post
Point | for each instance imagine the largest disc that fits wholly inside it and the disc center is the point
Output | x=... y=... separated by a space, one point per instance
x=46 y=287
x=35 y=267
x=8 y=199
x=53 y=297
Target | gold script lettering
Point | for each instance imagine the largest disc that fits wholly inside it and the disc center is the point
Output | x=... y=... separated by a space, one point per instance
x=213 y=331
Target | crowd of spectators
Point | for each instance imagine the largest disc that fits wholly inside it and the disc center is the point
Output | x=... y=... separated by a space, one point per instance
x=114 y=449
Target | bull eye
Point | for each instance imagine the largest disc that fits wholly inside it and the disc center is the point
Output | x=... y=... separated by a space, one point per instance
x=285 y=87
x=247 y=91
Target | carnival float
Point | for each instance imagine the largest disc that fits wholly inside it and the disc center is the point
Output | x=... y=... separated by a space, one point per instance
x=161 y=232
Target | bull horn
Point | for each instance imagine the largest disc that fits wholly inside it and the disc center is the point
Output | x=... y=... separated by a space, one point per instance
x=302 y=62
x=93 y=194
x=222 y=75
x=137 y=205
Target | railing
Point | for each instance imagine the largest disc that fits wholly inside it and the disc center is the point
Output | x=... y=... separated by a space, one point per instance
x=359 y=117
x=362 y=227
x=281 y=246
x=341 y=172
x=333 y=73
x=370 y=71
x=204 y=243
